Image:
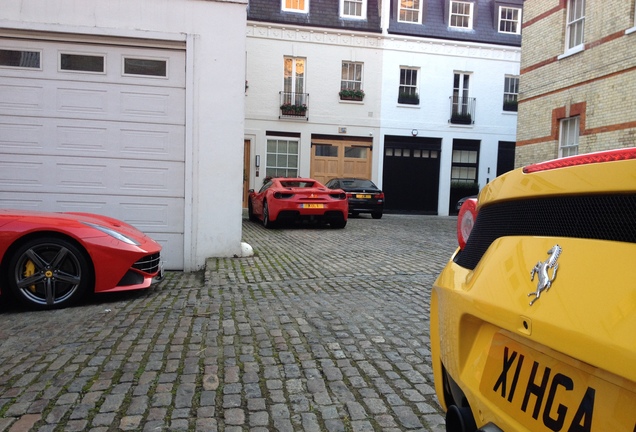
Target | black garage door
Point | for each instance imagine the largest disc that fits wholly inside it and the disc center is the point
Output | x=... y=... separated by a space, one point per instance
x=411 y=174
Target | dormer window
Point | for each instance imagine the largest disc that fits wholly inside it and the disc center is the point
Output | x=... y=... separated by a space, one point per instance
x=410 y=11
x=461 y=15
x=301 y=6
x=353 y=9
x=509 y=20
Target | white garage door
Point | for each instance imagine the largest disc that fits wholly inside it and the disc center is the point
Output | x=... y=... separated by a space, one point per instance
x=95 y=127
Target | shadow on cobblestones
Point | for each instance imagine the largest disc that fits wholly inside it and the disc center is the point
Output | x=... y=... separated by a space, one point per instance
x=321 y=330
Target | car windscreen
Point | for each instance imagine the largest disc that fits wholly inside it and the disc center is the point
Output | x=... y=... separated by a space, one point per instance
x=357 y=183
x=297 y=184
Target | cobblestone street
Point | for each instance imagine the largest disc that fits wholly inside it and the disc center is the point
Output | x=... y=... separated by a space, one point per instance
x=321 y=330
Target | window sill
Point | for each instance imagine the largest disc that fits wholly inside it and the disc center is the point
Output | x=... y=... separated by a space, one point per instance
x=351 y=101
x=401 y=105
x=577 y=49
x=630 y=30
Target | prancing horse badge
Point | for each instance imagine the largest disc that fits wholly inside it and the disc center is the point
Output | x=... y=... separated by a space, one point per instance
x=541 y=269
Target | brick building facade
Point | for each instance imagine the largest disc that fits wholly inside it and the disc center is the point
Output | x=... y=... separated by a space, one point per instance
x=578 y=78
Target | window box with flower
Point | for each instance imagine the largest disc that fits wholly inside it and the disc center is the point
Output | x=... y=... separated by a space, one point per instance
x=351 y=94
x=297 y=110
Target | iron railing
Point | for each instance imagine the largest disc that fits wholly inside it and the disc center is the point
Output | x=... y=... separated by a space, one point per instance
x=294 y=105
x=462 y=110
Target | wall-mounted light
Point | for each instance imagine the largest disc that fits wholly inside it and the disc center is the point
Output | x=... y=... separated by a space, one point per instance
x=257 y=161
x=414 y=132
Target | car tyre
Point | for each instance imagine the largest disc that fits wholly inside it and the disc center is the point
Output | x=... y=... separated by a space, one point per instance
x=49 y=273
x=266 y=222
x=376 y=215
x=250 y=211
x=338 y=223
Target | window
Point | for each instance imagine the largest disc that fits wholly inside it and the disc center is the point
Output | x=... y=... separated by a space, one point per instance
x=509 y=20
x=294 y=81
x=511 y=92
x=146 y=67
x=575 y=24
x=326 y=150
x=464 y=169
x=351 y=76
x=353 y=9
x=82 y=62
x=461 y=83
x=295 y=6
x=282 y=158
x=408 y=92
x=20 y=59
x=461 y=15
x=569 y=137
x=410 y=11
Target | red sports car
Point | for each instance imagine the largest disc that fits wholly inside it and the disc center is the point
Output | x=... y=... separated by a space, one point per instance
x=290 y=199
x=50 y=260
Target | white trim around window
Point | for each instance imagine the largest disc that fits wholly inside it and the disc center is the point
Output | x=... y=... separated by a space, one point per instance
x=633 y=29
x=353 y=9
x=569 y=137
x=509 y=20
x=301 y=6
x=410 y=11
x=460 y=15
x=575 y=25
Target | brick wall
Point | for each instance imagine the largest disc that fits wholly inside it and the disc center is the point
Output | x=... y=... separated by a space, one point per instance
x=601 y=77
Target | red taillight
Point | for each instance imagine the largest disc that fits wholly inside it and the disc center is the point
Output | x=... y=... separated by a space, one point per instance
x=466 y=220
x=584 y=159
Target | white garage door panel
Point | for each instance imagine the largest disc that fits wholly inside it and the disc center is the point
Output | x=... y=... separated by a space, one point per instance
x=113 y=55
x=50 y=174
x=89 y=100
x=110 y=143
x=68 y=137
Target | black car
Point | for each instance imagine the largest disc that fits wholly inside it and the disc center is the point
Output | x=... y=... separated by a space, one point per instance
x=363 y=195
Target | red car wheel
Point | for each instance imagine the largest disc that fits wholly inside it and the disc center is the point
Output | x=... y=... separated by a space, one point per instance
x=49 y=273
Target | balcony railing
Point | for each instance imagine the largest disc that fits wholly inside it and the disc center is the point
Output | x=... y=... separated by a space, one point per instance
x=462 y=110
x=294 y=105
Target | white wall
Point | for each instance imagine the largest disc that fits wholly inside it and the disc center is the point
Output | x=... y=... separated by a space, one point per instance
x=437 y=61
x=267 y=45
x=214 y=34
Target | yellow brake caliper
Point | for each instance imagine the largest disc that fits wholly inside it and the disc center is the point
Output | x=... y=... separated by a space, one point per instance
x=29 y=270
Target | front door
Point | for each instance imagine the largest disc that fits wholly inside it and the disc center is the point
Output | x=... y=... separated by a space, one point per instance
x=246 y=171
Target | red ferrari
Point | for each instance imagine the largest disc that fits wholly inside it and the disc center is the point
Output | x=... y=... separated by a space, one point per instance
x=51 y=260
x=291 y=199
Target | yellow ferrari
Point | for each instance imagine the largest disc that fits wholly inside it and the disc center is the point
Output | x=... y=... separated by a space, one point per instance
x=533 y=319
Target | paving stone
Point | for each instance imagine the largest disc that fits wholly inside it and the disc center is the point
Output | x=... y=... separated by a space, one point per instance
x=320 y=330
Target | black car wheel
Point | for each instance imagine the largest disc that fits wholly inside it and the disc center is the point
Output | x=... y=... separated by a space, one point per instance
x=338 y=222
x=376 y=215
x=250 y=211
x=266 y=222
x=49 y=273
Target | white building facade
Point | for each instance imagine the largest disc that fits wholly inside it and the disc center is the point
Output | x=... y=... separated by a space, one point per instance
x=453 y=136
x=131 y=109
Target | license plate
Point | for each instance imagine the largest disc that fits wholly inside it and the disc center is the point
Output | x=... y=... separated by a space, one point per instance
x=312 y=206
x=363 y=196
x=546 y=394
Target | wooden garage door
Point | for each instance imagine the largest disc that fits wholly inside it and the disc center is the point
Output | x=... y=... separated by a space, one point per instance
x=98 y=128
x=340 y=158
